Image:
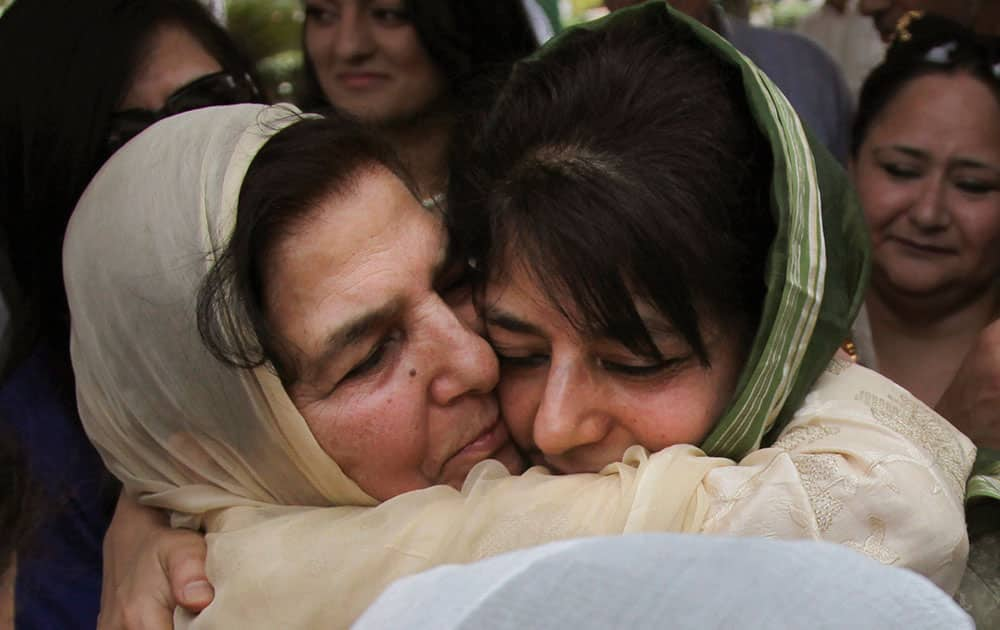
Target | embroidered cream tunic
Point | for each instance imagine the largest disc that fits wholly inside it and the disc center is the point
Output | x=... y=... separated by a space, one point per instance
x=863 y=463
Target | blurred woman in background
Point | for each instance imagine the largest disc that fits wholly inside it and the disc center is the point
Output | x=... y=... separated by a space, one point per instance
x=411 y=67
x=99 y=72
x=926 y=163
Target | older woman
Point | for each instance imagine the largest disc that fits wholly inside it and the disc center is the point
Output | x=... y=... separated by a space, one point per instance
x=336 y=284
x=926 y=161
x=929 y=182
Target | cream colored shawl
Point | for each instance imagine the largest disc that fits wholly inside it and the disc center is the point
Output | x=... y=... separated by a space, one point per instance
x=293 y=543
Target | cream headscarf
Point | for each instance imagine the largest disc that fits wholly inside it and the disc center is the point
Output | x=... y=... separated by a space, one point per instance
x=225 y=448
x=188 y=433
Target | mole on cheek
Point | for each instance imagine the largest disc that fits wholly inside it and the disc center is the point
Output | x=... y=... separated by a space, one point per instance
x=413 y=372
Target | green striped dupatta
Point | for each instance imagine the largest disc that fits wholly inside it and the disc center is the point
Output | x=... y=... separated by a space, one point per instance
x=817 y=276
x=817 y=272
x=818 y=265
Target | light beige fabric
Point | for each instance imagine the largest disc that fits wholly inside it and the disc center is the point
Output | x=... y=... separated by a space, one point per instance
x=862 y=463
x=176 y=426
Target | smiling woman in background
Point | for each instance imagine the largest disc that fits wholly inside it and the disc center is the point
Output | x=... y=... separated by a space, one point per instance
x=411 y=67
x=926 y=162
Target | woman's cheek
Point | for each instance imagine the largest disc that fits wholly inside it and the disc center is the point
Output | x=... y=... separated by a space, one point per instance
x=519 y=398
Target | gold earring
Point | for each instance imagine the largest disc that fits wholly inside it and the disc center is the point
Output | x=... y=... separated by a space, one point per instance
x=902 y=33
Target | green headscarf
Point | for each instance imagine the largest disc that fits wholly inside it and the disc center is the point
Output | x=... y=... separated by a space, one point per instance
x=818 y=265
x=817 y=269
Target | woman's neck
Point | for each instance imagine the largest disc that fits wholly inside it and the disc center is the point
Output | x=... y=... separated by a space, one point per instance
x=921 y=343
x=423 y=147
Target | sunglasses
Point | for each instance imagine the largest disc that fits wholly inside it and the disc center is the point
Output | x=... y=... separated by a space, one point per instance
x=942 y=42
x=219 y=88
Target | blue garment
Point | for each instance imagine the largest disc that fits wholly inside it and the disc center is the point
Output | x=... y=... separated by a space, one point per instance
x=807 y=76
x=59 y=573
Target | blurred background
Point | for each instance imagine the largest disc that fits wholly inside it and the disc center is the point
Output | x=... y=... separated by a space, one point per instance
x=269 y=30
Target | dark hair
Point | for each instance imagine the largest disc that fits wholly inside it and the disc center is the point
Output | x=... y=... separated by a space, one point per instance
x=65 y=66
x=624 y=161
x=469 y=40
x=297 y=168
x=933 y=45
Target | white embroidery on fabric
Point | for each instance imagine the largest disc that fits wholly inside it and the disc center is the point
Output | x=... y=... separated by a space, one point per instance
x=820 y=475
x=837 y=366
x=874 y=545
x=909 y=417
x=799 y=436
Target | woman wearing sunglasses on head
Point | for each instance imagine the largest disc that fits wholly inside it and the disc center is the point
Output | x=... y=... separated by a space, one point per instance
x=79 y=80
x=926 y=163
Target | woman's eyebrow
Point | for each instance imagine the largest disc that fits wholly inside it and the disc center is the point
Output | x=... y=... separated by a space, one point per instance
x=496 y=316
x=968 y=162
x=904 y=149
x=356 y=330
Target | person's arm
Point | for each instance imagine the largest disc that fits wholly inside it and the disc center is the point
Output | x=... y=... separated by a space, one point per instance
x=863 y=463
x=972 y=401
x=149 y=569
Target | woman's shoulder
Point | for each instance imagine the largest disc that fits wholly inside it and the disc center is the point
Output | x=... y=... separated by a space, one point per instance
x=848 y=390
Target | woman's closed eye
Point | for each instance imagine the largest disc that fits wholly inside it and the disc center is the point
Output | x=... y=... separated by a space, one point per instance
x=321 y=14
x=638 y=370
x=375 y=358
x=515 y=358
x=899 y=170
x=975 y=186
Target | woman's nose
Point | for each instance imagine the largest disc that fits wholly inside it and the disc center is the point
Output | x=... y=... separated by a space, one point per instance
x=463 y=362
x=571 y=413
x=355 y=40
x=929 y=211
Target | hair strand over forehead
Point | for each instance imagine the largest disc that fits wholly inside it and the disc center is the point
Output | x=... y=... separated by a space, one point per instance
x=296 y=169
x=622 y=164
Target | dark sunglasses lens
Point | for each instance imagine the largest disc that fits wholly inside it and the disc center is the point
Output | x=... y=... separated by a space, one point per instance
x=215 y=89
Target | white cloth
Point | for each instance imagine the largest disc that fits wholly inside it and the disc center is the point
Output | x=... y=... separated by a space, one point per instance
x=850 y=38
x=668 y=581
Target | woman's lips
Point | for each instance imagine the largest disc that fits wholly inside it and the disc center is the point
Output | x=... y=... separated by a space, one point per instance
x=924 y=248
x=361 y=80
x=492 y=439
